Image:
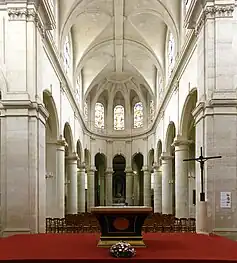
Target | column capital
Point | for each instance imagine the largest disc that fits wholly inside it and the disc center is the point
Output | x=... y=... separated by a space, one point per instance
x=81 y=168
x=181 y=141
x=91 y=169
x=166 y=156
x=128 y=170
x=156 y=167
x=145 y=168
x=109 y=171
x=72 y=157
x=61 y=141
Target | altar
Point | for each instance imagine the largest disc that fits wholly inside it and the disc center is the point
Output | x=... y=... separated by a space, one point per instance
x=122 y=223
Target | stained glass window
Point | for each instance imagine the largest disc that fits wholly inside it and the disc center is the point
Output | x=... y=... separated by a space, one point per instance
x=171 y=54
x=138 y=115
x=86 y=111
x=99 y=115
x=66 y=54
x=152 y=110
x=119 y=117
x=78 y=90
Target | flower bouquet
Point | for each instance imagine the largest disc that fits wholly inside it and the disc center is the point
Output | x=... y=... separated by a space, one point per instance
x=122 y=250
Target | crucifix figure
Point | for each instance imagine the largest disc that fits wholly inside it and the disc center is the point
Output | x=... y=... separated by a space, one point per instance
x=201 y=159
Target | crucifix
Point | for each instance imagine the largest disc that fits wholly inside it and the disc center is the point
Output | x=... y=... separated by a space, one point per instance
x=201 y=159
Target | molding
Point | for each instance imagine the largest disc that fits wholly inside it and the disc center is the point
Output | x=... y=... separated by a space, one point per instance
x=213 y=12
x=166 y=157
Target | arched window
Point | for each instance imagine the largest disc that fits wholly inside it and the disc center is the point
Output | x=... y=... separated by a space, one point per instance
x=86 y=111
x=119 y=117
x=138 y=115
x=99 y=115
x=152 y=110
x=171 y=54
x=66 y=54
x=78 y=89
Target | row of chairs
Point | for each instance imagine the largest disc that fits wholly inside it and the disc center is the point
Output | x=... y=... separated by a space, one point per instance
x=87 y=223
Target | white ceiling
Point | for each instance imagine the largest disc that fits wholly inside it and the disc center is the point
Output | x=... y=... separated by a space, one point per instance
x=119 y=38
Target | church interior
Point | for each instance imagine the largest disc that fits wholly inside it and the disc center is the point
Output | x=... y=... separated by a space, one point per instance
x=105 y=99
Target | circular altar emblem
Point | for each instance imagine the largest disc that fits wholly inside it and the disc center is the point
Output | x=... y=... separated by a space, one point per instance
x=121 y=223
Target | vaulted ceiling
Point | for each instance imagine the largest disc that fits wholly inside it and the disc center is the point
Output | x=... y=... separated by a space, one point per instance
x=119 y=39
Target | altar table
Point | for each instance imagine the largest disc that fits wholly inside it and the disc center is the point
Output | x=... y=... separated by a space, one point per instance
x=121 y=224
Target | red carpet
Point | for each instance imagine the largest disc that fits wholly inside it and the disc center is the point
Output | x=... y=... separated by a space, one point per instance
x=162 y=247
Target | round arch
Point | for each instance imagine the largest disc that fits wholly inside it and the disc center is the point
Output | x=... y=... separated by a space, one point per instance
x=170 y=135
x=52 y=121
x=159 y=152
x=79 y=151
x=67 y=133
x=187 y=117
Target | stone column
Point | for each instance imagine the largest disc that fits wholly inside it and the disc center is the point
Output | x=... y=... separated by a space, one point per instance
x=81 y=192
x=166 y=186
x=157 y=189
x=129 y=186
x=72 y=184
x=147 y=186
x=102 y=189
x=109 y=186
x=60 y=178
x=90 y=188
x=181 y=177
x=136 y=188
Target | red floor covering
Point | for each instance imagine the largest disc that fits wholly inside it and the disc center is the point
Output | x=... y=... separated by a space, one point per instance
x=170 y=247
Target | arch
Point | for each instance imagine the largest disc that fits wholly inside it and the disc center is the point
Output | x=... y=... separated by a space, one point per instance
x=87 y=156
x=150 y=158
x=102 y=157
x=100 y=164
x=67 y=133
x=53 y=120
x=119 y=117
x=138 y=114
x=159 y=152
x=79 y=151
x=187 y=117
x=99 y=115
x=170 y=135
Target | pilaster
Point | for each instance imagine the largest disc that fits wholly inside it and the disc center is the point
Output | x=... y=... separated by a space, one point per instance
x=23 y=173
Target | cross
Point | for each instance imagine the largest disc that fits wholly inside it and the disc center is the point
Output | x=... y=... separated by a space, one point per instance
x=201 y=159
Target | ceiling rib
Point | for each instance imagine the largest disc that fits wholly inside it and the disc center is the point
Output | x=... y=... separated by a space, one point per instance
x=119 y=33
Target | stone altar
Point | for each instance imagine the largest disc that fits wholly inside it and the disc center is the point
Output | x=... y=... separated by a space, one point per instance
x=122 y=223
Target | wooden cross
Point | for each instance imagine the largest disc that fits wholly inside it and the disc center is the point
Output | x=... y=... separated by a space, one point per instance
x=201 y=159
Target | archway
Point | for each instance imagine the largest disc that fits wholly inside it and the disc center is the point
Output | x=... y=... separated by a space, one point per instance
x=137 y=164
x=67 y=133
x=188 y=132
x=170 y=151
x=51 y=155
x=100 y=164
x=119 y=179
